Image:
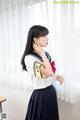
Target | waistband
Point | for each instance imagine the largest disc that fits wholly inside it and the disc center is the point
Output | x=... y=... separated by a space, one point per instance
x=42 y=89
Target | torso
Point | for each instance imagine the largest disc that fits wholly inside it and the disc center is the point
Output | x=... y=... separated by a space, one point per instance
x=39 y=83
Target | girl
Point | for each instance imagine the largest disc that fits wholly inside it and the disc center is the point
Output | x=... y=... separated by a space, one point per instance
x=43 y=101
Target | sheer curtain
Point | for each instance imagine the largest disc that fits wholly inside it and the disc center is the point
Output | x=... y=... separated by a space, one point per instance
x=62 y=20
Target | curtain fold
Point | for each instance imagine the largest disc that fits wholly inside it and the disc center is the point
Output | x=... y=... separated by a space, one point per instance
x=62 y=20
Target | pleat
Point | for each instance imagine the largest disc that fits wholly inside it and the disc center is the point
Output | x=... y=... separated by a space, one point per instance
x=43 y=105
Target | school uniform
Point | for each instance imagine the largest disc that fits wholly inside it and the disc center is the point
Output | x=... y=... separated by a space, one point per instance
x=43 y=101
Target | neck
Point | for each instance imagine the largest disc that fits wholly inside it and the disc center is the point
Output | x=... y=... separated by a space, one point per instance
x=36 y=52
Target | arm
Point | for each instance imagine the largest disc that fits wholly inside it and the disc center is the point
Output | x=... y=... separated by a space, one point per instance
x=60 y=78
x=46 y=69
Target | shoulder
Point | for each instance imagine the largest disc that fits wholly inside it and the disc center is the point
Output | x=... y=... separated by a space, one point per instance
x=29 y=59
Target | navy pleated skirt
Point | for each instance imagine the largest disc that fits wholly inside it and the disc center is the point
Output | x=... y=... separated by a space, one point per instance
x=43 y=105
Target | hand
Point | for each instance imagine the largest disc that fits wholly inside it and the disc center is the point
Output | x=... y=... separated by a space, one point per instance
x=60 y=78
x=38 y=48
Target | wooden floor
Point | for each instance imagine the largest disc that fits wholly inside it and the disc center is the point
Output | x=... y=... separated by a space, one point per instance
x=68 y=111
x=16 y=105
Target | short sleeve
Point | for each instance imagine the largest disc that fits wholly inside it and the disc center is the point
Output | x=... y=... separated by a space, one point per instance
x=29 y=62
x=33 y=66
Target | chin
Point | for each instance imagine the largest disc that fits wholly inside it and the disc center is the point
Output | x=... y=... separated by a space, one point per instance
x=45 y=46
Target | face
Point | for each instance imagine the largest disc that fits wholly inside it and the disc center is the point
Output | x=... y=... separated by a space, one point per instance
x=42 y=41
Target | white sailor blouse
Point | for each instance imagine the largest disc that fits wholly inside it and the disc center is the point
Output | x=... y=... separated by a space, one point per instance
x=33 y=62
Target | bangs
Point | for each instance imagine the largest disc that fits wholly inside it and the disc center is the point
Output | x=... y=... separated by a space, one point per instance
x=39 y=31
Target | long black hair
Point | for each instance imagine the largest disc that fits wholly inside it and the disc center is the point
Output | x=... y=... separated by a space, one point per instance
x=35 y=31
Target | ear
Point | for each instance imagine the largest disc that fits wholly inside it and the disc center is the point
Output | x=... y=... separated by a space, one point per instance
x=35 y=39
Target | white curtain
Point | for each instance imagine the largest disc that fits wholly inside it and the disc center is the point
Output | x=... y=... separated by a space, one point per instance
x=62 y=20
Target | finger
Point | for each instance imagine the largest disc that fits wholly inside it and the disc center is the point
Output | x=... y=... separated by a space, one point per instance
x=37 y=43
x=62 y=82
x=34 y=46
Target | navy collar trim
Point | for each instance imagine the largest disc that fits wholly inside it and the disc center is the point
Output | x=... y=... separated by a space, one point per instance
x=37 y=55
